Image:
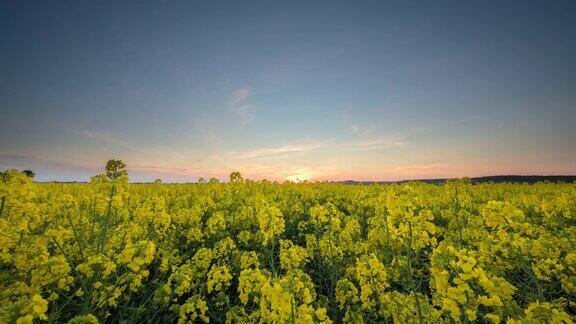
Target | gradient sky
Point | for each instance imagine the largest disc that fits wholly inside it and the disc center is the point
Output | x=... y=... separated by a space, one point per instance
x=288 y=89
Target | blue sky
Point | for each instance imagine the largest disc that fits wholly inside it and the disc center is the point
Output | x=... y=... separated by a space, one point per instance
x=288 y=89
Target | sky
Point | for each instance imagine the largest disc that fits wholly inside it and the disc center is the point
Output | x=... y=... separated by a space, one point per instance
x=288 y=90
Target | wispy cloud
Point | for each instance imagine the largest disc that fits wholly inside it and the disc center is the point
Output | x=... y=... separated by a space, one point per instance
x=174 y=170
x=398 y=139
x=375 y=143
x=106 y=140
x=239 y=103
x=48 y=169
x=360 y=130
x=280 y=150
x=74 y=170
x=32 y=162
x=416 y=168
x=240 y=95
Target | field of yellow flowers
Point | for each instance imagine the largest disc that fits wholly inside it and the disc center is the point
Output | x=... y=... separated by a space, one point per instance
x=246 y=251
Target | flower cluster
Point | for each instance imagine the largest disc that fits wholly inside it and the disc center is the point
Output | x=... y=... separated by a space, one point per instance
x=111 y=251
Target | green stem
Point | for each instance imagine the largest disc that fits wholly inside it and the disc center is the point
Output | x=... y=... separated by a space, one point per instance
x=75 y=231
x=413 y=288
x=272 y=257
x=2 y=205
x=106 y=222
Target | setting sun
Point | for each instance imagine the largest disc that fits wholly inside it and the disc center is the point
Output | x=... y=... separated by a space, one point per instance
x=301 y=175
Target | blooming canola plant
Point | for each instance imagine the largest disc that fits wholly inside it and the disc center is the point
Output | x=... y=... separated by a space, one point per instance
x=246 y=251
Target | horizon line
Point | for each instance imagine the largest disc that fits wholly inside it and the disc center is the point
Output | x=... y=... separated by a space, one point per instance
x=348 y=180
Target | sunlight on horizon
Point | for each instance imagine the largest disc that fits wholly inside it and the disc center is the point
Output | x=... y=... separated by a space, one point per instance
x=299 y=177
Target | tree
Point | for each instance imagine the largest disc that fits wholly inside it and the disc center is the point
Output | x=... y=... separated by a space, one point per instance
x=116 y=169
x=158 y=181
x=29 y=173
x=235 y=177
x=4 y=176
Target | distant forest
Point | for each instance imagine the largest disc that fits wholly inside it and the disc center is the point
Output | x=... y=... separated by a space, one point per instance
x=494 y=179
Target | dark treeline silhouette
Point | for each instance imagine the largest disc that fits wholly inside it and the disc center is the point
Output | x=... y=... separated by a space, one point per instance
x=494 y=179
